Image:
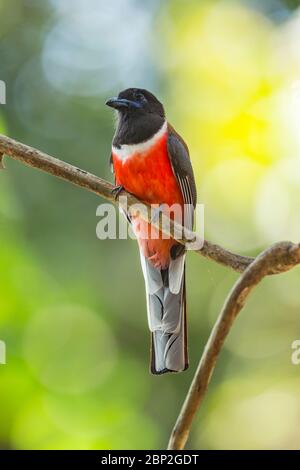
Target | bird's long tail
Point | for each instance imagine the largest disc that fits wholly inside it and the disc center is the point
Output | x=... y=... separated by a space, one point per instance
x=166 y=306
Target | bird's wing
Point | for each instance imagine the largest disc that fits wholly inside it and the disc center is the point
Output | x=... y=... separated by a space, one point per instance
x=183 y=171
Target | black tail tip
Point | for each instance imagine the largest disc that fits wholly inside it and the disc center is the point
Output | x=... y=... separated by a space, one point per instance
x=166 y=370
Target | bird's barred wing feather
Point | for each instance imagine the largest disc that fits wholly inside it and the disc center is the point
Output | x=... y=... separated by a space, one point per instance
x=183 y=171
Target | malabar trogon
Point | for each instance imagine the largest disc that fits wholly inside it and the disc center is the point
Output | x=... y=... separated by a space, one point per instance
x=151 y=161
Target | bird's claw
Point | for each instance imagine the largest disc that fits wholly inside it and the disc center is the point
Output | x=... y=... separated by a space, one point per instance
x=117 y=191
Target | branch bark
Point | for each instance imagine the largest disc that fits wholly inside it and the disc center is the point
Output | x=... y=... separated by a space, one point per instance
x=278 y=258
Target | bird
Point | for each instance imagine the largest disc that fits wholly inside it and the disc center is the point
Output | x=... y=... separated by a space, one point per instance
x=150 y=160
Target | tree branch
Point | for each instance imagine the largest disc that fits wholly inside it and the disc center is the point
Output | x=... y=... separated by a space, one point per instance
x=278 y=258
x=40 y=160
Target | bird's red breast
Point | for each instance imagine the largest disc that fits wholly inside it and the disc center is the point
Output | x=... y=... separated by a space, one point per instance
x=145 y=170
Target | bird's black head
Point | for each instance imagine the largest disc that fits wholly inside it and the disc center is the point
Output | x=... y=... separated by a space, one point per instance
x=136 y=101
x=140 y=116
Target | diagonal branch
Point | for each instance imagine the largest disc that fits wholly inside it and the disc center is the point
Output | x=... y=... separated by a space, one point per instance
x=40 y=160
x=278 y=258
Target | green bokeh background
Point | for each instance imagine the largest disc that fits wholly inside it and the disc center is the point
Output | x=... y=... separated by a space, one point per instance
x=72 y=308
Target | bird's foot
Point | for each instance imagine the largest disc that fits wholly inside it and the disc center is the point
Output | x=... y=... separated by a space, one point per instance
x=117 y=191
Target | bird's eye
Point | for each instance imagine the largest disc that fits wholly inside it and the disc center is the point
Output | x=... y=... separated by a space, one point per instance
x=139 y=96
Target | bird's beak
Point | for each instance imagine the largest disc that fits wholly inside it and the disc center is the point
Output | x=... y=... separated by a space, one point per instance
x=119 y=103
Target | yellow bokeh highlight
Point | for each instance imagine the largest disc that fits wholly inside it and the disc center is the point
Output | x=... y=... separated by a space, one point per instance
x=233 y=102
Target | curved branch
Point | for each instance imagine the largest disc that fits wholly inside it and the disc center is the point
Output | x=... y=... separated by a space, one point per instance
x=40 y=160
x=278 y=258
